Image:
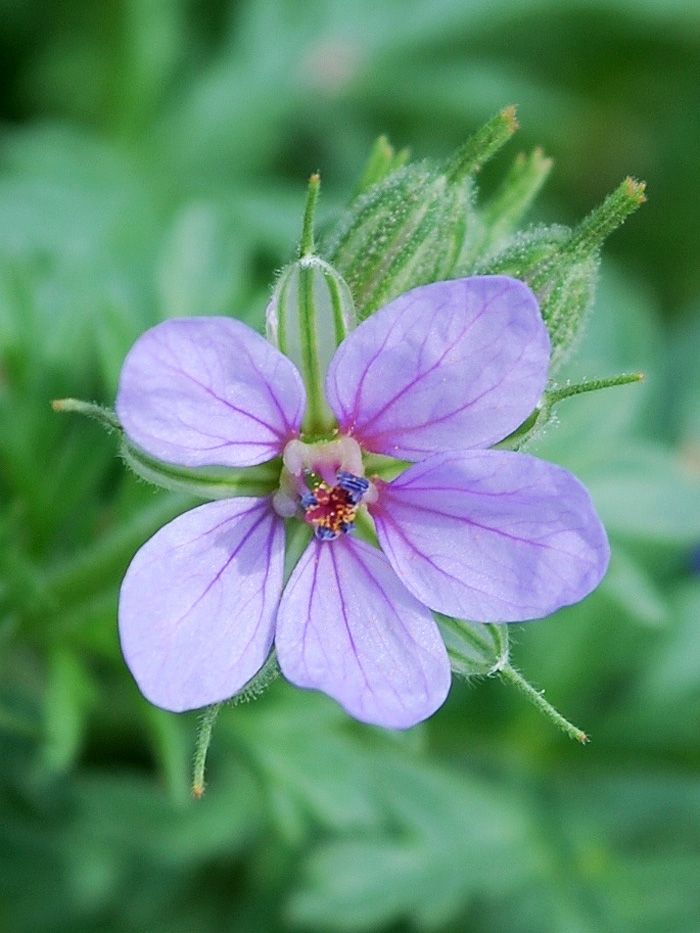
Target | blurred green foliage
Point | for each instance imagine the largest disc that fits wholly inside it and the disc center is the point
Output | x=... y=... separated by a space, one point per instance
x=153 y=157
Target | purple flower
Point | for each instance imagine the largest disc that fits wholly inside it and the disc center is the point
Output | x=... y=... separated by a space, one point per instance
x=435 y=378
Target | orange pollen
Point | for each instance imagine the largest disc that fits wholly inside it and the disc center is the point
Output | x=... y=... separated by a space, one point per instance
x=330 y=510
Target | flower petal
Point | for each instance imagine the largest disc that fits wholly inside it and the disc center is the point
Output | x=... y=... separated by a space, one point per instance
x=209 y=392
x=491 y=536
x=451 y=366
x=197 y=605
x=346 y=625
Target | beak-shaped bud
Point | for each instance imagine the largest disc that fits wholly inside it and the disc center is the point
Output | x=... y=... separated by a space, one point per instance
x=310 y=313
x=561 y=265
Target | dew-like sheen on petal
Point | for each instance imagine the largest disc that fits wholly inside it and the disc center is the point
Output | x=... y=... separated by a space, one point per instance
x=197 y=605
x=491 y=536
x=209 y=392
x=455 y=365
x=347 y=626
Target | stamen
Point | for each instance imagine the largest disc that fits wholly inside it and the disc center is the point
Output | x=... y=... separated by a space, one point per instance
x=356 y=486
x=325 y=534
x=308 y=500
x=332 y=509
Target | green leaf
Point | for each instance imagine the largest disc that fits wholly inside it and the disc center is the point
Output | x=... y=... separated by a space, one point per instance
x=629 y=584
x=202 y=264
x=644 y=491
x=447 y=840
x=675 y=675
x=69 y=694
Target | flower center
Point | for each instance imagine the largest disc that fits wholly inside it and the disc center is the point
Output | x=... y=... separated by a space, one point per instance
x=331 y=510
x=325 y=482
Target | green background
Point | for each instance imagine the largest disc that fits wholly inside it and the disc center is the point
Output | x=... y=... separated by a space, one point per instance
x=153 y=160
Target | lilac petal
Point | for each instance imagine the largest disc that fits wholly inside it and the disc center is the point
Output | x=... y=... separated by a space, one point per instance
x=451 y=366
x=346 y=625
x=197 y=605
x=491 y=536
x=209 y=392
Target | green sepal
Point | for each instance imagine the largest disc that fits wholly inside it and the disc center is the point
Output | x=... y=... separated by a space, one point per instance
x=474 y=648
x=310 y=313
x=205 y=482
x=413 y=227
x=530 y=429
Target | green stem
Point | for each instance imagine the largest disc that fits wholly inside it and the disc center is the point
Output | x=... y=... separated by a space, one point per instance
x=515 y=679
x=255 y=686
x=206 y=727
x=553 y=396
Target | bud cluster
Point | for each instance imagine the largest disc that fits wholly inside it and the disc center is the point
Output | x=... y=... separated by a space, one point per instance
x=421 y=223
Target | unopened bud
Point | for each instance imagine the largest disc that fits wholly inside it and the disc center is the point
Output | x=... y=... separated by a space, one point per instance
x=561 y=265
x=411 y=228
x=310 y=313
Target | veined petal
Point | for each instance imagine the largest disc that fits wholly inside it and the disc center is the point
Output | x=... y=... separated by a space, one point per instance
x=491 y=536
x=197 y=605
x=347 y=626
x=451 y=366
x=209 y=392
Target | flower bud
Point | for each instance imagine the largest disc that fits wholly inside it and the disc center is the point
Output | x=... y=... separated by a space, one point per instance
x=560 y=265
x=310 y=313
x=411 y=228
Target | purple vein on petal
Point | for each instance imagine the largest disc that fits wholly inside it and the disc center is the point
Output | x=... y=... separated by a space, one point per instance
x=223 y=561
x=347 y=626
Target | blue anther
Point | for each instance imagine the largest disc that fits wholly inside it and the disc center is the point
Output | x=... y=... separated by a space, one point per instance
x=308 y=500
x=355 y=486
x=345 y=527
x=325 y=534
